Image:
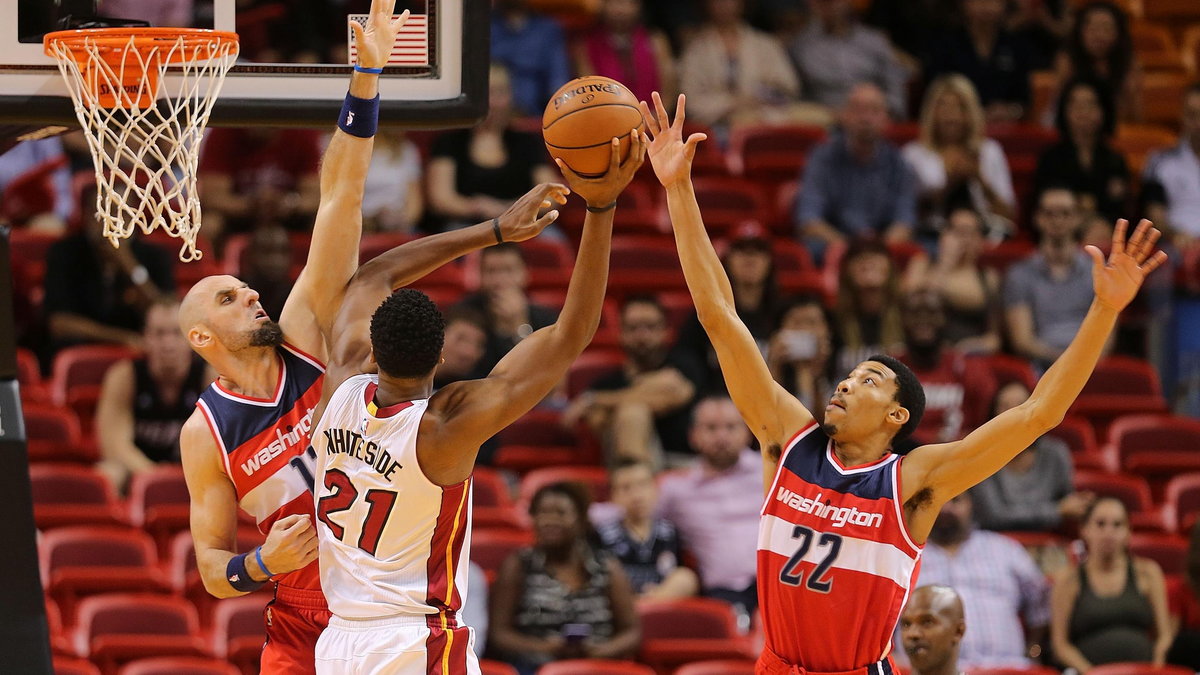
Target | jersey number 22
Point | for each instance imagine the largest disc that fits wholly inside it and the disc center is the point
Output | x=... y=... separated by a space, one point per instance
x=793 y=576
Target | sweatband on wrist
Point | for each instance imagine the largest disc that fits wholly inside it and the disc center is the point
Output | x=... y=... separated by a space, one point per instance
x=262 y=565
x=238 y=577
x=360 y=116
x=364 y=69
x=602 y=209
x=496 y=230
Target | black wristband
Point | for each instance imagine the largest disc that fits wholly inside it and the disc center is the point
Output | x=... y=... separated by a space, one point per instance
x=602 y=209
x=496 y=230
x=238 y=577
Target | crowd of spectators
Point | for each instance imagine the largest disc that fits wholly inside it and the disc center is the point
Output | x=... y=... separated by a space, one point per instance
x=903 y=209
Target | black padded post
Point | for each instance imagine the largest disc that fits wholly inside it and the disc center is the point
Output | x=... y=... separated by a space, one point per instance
x=23 y=619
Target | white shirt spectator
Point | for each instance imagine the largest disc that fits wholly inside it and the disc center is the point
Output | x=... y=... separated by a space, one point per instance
x=927 y=164
x=1177 y=170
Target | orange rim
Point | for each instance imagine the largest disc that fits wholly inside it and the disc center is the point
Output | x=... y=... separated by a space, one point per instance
x=143 y=40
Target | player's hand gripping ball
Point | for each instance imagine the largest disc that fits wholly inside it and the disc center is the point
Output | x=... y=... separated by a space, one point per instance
x=582 y=119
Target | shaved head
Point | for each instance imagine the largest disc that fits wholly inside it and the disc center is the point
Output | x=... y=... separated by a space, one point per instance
x=222 y=312
x=192 y=308
x=931 y=628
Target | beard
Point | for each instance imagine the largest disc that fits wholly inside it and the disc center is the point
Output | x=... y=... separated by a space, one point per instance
x=267 y=335
x=829 y=429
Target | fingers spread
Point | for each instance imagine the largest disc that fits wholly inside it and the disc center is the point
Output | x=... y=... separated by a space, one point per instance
x=1154 y=262
x=660 y=110
x=1096 y=254
x=648 y=118
x=680 y=114
x=1118 y=238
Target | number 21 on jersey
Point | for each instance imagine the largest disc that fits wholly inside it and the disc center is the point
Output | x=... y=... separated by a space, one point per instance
x=791 y=573
x=342 y=496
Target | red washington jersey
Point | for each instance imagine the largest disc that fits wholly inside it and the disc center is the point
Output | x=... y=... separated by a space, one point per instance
x=835 y=560
x=265 y=447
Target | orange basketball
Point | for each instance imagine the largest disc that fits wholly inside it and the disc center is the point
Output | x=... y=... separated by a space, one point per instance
x=582 y=119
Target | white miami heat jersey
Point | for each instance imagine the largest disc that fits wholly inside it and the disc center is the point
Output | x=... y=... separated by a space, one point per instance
x=391 y=541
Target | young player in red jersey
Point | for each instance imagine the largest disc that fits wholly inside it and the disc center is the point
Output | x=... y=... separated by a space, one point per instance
x=845 y=519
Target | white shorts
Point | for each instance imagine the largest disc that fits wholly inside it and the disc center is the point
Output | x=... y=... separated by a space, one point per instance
x=399 y=645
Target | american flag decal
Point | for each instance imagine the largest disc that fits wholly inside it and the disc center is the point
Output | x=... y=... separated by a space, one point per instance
x=412 y=42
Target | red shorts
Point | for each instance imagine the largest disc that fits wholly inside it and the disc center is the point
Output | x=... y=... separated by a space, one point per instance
x=770 y=663
x=295 y=619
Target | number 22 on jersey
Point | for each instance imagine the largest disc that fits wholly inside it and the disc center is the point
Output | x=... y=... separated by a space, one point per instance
x=791 y=573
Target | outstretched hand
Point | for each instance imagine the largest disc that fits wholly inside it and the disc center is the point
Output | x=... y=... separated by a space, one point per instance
x=521 y=222
x=376 y=39
x=1117 y=280
x=670 y=155
x=605 y=189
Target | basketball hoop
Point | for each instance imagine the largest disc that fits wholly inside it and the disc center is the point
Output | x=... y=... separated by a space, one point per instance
x=143 y=97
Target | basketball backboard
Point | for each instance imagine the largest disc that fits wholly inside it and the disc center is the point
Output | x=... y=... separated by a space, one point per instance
x=294 y=63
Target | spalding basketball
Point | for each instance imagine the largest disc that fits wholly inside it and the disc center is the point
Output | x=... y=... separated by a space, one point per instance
x=583 y=118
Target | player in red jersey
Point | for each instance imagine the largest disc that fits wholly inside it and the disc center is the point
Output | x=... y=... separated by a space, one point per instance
x=845 y=519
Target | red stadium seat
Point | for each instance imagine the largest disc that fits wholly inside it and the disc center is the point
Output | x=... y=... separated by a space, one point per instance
x=65 y=494
x=60 y=642
x=490 y=548
x=594 y=478
x=644 y=265
x=695 y=629
x=590 y=366
x=83 y=365
x=1182 y=502
x=489 y=667
x=1022 y=140
x=179 y=665
x=1120 y=385
x=727 y=202
x=536 y=439
x=79 y=561
x=159 y=502
x=718 y=667
x=83 y=400
x=1007 y=368
x=29 y=376
x=239 y=629
x=1168 y=550
x=54 y=435
x=773 y=152
x=1138 y=669
x=499 y=518
x=594 y=667
x=1077 y=433
x=489 y=488
x=373 y=245
x=185 y=578
x=1162 y=93
x=237 y=247
x=117 y=628
x=1132 y=491
x=68 y=666
x=1002 y=255
x=1155 y=444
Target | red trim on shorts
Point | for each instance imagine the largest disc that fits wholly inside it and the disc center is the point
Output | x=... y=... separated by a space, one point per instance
x=446 y=649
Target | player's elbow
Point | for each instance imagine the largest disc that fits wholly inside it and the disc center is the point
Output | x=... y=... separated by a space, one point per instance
x=1042 y=416
x=713 y=314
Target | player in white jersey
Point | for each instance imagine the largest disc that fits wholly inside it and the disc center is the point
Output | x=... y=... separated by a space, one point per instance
x=393 y=484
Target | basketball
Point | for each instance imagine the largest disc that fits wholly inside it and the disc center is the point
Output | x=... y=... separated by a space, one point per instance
x=583 y=117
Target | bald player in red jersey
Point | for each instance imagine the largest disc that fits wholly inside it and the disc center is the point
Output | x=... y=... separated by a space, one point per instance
x=844 y=520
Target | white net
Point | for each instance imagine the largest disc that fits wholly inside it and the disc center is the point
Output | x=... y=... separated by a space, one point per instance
x=143 y=99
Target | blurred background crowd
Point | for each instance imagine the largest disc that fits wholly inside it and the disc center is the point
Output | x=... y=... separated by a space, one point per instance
x=914 y=177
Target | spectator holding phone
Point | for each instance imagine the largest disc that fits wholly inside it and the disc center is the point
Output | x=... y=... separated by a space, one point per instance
x=800 y=353
x=562 y=598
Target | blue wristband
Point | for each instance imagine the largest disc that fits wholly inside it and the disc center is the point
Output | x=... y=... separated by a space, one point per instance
x=262 y=565
x=238 y=577
x=360 y=116
x=363 y=69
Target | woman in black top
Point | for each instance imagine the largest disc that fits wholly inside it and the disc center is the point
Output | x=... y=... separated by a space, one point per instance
x=1083 y=159
x=477 y=173
x=1113 y=606
x=563 y=598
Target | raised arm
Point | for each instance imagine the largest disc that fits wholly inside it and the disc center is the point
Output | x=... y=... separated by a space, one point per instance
x=940 y=472
x=472 y=412
x=771 y=412
x=308 y=315
x=350 y=344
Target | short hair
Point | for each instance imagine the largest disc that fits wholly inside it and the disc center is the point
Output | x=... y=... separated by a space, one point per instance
x=576 y=493
x=1056 y=186
x=1091 y=508
x=407 y=332
x=909 y=394
x=465 y=314
x=507 y=247
x=623 y=463
x=643 y=299
x=1104 y=96
x=709 y=397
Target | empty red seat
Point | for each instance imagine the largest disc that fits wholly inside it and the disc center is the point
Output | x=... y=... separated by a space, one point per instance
x=53 y=434
x=239 y=628
x=499 y=518
x=1022 y=140
x=594 y=667
x=1138 y=669
x=79 y=561
x=695 y=629
x=489 y=667
x=1182 y=502
x=179 y=665
x=1168 y=550
x=1154 y=444
x=718 y=667
x=29 y=376
x=1007 y=368
x=490 y=548
x=594 y=478
x=590 y=366
x=64 y=665
x=773 y=152
x=159 y=502
x=536 y=439
x=82 y=400
x=83 y=365
x=184 y=576
x=1120 y=385
x=60 y=642
x=727 y=202
x=118 y=628
x=237 y=247
x=644 y=265
x=1132 y=491
x=66 y=494
x=1077 y=433
x=488 y=488
x=373 y=245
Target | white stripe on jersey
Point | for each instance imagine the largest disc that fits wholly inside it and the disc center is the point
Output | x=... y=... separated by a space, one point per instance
x=857 y=555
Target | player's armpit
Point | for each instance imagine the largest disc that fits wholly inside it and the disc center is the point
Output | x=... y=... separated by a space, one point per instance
x=213 y=505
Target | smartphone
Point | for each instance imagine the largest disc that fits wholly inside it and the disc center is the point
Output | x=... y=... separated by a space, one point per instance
x=800 y=345
x=576 y=633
